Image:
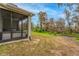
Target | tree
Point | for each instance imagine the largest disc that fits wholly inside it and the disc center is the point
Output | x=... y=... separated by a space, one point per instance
x=68 y=20
x=50 y=25
x=76 y=23
x=42 y=18
x=68 y=14
x=60 y=25
x=76 y=18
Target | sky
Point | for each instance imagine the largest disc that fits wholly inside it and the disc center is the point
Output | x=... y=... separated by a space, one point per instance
x=52 y=10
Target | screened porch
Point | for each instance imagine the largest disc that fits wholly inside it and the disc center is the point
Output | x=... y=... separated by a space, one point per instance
x=14 y=25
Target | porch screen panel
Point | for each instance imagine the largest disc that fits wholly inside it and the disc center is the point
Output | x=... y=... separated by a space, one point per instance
x=6 y=20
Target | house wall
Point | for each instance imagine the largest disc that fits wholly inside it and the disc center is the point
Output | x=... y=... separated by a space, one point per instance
x=0 y=22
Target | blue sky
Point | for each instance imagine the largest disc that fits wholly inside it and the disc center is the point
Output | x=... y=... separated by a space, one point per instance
x=51 y=9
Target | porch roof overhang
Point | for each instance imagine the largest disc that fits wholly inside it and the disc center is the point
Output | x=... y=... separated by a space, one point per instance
x=15 y=9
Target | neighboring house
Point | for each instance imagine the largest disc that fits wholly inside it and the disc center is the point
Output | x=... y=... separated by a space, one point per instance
x=10 y=18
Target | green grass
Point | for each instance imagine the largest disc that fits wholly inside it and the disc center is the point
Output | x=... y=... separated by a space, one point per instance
x=43 y=33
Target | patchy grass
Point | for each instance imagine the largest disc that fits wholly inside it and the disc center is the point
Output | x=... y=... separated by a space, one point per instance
x=75 y=35
x=43 y=44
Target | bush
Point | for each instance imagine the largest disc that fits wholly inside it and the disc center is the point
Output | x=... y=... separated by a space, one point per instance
x=38 y=30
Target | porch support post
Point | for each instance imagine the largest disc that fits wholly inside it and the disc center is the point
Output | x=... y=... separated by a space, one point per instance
x=0 y=35
x=29 y=27
x=1 y=25
x=17 y=25
x=11 y=25
x=21 y=28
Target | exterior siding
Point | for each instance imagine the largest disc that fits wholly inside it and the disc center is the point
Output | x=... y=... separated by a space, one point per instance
x=7 y=36
x=16 y=35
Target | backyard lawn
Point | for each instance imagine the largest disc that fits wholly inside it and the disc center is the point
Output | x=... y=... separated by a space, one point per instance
x=42 y=44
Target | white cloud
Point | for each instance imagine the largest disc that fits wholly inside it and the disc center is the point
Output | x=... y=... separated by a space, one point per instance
x=62 y=15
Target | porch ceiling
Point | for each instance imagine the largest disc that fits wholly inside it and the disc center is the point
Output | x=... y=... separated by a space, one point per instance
x=18 y=16
x=15 y=16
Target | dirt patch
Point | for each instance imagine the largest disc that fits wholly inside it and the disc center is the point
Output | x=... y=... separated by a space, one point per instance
x=61 y=45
